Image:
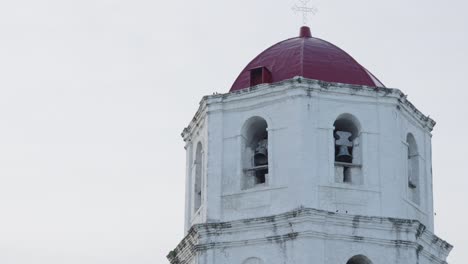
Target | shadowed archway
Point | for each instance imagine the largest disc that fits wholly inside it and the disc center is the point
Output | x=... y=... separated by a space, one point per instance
x=359 y=259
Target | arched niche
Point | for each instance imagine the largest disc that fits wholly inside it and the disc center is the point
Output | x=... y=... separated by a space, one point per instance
x=197 y=187
x=348 y=149
x=254 y=152
x=413 y=169
x=359 y=259
x=253 y=260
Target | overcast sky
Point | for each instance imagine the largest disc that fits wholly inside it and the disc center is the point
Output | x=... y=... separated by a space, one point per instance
x=94 y=95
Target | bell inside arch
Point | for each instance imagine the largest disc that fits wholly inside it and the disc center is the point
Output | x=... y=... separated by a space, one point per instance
x=261 y=153
x=343 y=144
x=344 y=155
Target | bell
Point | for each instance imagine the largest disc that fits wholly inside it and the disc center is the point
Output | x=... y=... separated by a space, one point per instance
x=261 y=153
x=344 y=155
x=260 y=159
x=343 y=143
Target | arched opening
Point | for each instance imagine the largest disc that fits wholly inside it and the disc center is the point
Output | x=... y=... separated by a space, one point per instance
x=413 y=168
x=197 y=188
x=347 y=139
x=253 y=261
x=359 y=259
x=255 y=152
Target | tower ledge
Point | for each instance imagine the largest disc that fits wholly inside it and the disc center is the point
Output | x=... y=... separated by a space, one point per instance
x=308 y=87
x=392 y=240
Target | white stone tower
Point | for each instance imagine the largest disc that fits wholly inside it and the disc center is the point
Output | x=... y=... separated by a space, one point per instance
x=308 y=159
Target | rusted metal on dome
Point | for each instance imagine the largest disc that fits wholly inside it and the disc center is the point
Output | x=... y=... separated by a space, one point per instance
x=308 y=57
x=305 y=32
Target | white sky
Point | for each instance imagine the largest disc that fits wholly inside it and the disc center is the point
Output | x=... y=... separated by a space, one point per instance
x=94 y=95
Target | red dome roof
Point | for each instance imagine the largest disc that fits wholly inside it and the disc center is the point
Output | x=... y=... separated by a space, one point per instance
x=308 y=57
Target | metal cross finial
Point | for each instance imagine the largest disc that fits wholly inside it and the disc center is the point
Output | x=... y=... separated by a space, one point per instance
x=305 y=9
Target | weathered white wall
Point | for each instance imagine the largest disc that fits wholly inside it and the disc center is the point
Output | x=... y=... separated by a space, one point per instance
x=198 y=133
x=374 y=216
x=305 y=236
x=300 y=115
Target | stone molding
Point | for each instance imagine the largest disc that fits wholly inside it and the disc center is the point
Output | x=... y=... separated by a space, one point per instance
x=306 y=223
x=303 y=87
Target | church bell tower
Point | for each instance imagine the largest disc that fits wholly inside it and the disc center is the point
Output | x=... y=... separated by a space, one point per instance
x=308 y=158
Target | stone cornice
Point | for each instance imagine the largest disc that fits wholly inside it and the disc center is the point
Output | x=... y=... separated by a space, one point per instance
x=185 y=251
x=305 y=223
x=196 y=120
x=303 y=87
